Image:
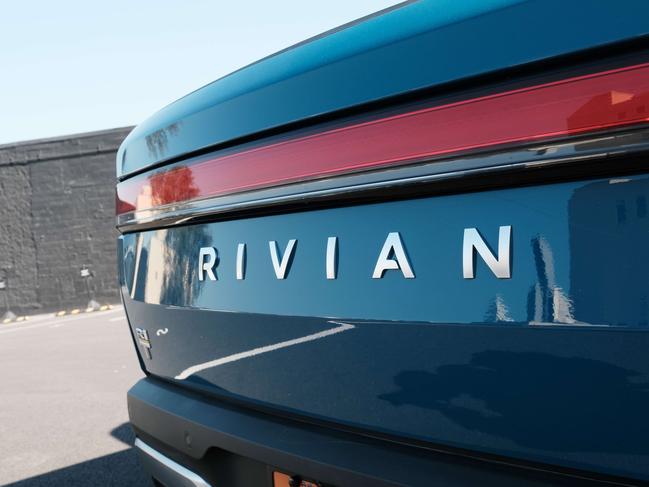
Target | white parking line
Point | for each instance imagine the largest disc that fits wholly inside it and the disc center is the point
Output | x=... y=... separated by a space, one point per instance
x=268 y=348
x=57 y=321
x=119 y=318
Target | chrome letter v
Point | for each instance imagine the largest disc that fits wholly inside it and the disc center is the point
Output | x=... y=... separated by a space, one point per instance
x=281 y=268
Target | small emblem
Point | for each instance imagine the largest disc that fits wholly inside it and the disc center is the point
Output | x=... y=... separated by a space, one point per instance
x=143 y=338
x=162 y=331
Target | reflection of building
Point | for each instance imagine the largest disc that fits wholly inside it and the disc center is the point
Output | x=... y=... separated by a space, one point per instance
x=606 y=109
x=498 y=311
x=609 y=108
x=609 y=252
x=547 y=302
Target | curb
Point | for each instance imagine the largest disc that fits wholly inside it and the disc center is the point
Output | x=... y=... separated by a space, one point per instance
x=17 y=319
x=76 y=311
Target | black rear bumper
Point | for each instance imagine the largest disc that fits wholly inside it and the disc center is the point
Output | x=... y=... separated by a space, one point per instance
x=236 y=446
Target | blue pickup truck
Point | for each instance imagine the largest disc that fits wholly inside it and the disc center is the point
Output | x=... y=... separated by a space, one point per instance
x=411 y=251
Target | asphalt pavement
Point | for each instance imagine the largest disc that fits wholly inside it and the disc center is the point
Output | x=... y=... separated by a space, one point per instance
x=63 y=418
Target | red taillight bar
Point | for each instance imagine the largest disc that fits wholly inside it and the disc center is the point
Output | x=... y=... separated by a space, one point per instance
x=572 y=106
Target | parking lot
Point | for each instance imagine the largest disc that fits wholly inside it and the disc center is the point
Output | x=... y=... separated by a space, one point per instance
x=63 y=417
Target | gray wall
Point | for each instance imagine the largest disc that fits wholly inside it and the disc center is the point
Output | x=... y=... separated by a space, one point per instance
x=57 y=213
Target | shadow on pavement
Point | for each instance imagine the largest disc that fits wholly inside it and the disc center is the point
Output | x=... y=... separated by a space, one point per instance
x=123 y=433
x=121 y=469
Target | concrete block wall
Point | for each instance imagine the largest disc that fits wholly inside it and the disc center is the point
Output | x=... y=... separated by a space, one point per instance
x=57 y=214
x=17 y=246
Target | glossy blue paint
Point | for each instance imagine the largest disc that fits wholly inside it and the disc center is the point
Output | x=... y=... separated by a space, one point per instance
x=549 y=365
x=418 y=45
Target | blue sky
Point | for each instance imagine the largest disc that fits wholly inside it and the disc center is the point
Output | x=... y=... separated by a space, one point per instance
x=74 y=66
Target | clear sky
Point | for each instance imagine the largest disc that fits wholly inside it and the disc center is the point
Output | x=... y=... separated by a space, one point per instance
x=70 y=66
